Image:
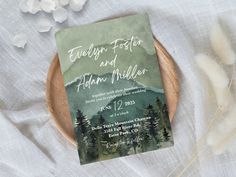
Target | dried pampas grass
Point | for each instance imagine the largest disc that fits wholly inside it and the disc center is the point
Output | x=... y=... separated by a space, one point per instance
x=221 y=45
x=213 y=70
x=224 y=98
x=218 y=78
x=222 y=146
x=224 y=131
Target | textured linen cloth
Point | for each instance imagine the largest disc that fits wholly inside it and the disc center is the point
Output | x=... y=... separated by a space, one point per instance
x=30 y=144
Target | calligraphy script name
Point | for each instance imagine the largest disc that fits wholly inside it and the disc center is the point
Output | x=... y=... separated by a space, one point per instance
x=87 y=80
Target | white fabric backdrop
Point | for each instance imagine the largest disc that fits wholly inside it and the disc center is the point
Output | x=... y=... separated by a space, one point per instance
x=31 y=146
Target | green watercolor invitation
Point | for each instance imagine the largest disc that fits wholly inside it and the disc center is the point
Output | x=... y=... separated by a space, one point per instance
x=114 y=88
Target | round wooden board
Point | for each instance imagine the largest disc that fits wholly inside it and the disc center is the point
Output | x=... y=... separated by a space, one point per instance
x=57 y=100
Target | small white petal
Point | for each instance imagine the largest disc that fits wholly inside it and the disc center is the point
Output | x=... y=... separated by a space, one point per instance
x=19 y=40
x=77 y=5
x=23 y=6
x=33 y=6
x=64 y=2
x=44 y=25
x=60 y=14
x=57 y=3
x=48 y=5
x=221 y=45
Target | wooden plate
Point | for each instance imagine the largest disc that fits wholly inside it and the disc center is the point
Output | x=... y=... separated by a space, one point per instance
x=57 y=101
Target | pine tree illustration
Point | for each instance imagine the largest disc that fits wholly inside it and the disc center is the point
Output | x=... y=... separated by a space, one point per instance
x=164 y=116
x=160 y=110
x=104 y=134
x=165 y=110
x=133 y=138
x=152 y=122
x=144 y=136
x=123 y=147
x=83 y=130
x=82 y=123
x=92 y=149
x=166 y=135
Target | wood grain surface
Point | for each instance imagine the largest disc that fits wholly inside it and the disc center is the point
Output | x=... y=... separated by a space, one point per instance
x=57 y=100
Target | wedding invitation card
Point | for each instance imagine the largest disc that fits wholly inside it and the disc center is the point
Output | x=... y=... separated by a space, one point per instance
x=114 y=88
